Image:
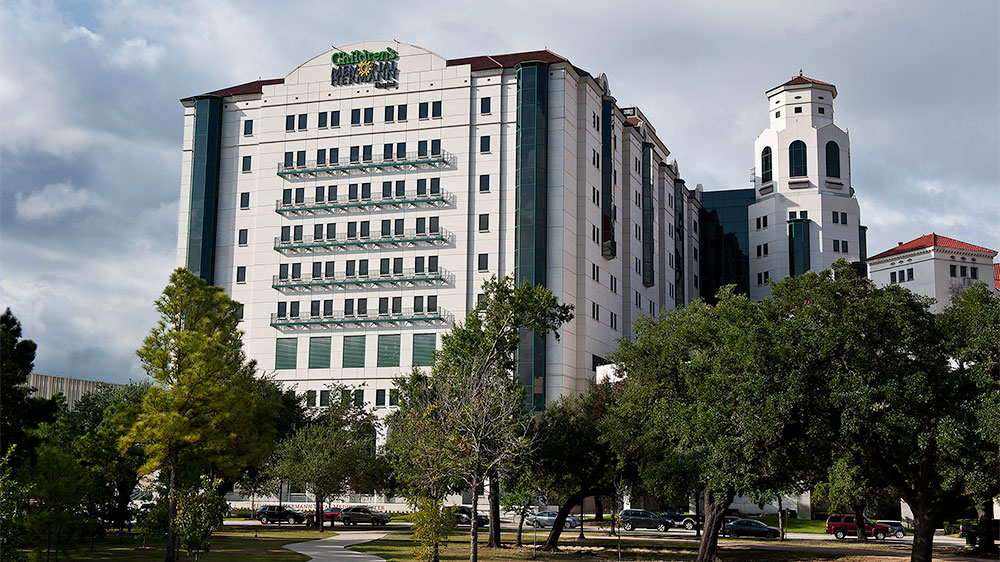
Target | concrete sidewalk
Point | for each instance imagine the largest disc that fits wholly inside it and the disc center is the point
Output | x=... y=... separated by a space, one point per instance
x=334 y=549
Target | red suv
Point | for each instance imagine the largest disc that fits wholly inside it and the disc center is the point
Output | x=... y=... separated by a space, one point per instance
x=841 y=526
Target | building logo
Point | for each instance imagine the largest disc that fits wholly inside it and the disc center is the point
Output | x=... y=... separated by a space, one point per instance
x=362 y=67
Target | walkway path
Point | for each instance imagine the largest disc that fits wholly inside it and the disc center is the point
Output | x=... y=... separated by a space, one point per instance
x=334 y=549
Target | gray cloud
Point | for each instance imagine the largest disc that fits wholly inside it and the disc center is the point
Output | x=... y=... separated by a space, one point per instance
x=90 y=126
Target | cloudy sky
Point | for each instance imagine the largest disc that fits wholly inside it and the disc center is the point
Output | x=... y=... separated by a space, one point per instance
x=90 y=123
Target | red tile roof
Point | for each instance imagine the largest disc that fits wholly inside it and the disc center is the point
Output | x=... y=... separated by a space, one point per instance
x=255 y=87
x=510 y=60
x=931 y=241
x=805 y=80
x=996 y=275
x=634 y=121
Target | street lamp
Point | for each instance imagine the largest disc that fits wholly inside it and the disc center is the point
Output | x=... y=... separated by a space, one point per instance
x=581 y=537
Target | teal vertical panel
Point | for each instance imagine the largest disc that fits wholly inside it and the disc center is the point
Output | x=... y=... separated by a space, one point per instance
x=354 y=352
x=609 y=248
x=423 y=349
x=679 y=243
x=531 y=219
x=285 y=352
x=204 y=194
x=798 y=246
x=388 y=350
x=319 y=352
x=647 y=215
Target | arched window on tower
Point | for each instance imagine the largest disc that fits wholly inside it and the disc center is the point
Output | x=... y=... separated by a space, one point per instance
x=832 y=160
x=797 y=159
x=765 y=164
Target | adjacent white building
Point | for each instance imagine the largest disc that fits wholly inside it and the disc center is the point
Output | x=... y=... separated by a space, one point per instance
x=356 y=206
x=934 y=266
x=805 y=215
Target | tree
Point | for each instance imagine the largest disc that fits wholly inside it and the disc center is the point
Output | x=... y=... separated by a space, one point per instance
x=21 y=411
x=199 y=513
x=521 y=489
x=329 y=455
x=712 y=406
x=850 y=487
x=574 y=459
x=205 y=411
x=14 y=496
x=890 y=395
x=59 y=484
x=257 y=480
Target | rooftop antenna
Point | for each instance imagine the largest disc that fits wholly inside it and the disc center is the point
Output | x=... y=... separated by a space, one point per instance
x=800 y=72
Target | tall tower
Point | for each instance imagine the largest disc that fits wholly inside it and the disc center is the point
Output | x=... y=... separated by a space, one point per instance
x=805 y=215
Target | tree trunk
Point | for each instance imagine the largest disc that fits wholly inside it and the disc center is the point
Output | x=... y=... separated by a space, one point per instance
x=474 y=527
x=923 y=534
x=598 y=509
x=319 y=514
x=859 y=521
x=552 y=542
x=985 y=529
x=494 y=498
x=715 y=510
x=781 y=528
x=520 y=528
x=171 y=546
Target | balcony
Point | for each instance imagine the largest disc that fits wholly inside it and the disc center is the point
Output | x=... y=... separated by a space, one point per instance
x=409 y=237
x=408 y=199
x=406 y=278
x=412 y=160
x=406 y=316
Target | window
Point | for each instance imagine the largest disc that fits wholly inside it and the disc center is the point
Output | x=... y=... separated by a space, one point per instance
x=614 y=321
x=962 y=271
x=836 y=217
x=321 y=156
x=248 y=127
x=822 y=110
x=390 y=113
x=973 y=272
x=380 y=397
x=797 y=159
x=388 y=350
x=798 y=109
x=300 y=158
x=843 y=246
x=297 y=233
x=334 y=158
x=791 y=214
x=758 y=223
x=246 y=163
x=422 y=148
x=484 y=182
x=241 y=274
x=310 y=397
x=418 y=304
x=369 y=115
x=595 y=272
x=836 y=245
x=436 y=147
x=319 y=354
x=283 y=271
x=366 y=153
x=696 y=252
x=331 y=230
x=289 y=123
x=767 y=277
x=777 y=114
x=401 y=112
x=484 y=222
x=953 y=270
x=321 y=121
x=355 y=117
x=484 y=143
x=760 y=250
x=334 y=118
x=285 y=353
x=245 y=200
x=765 y=164
x=892 y=277
x=328 y=266
x=484 y=106
x=400 y=150
x=484 y=262
x=765 y=220
x=397 y=266
x=909 y=274
x=359 y=397
x=354 y=352
x=803 y=214
x=843 y=218
x=303 y=121
x=595 y=311
x=422 y=110
x=393 y=397
x=436 y=109
x=387 y=151
x=435 y=186
x=242 y=236
x=324 y=398
x=832 y=160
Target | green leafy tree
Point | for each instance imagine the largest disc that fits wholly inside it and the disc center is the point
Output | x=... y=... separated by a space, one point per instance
x=853 y=488
x=714 y=407
x=257 y=481
x=21 y=412
x=14 y=496
x=573 y=459
x=205 y=412
x=521 y=489
x=199 y=514
x=59 y=485
x=893 y=399
x=432 y=524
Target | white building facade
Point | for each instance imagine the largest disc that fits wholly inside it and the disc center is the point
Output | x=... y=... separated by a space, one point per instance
x=805 y=216
x=934 y=266
x=356 y=206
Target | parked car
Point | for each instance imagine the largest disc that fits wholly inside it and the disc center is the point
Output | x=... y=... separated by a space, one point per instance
x=970 y=531
x=681 y=519
x=726 y=520
x=749 y=528
x=896 y=528
x=331 y=514
x=362 y=514
x=643 y=519
x=548 y=518
x=841 y=526
x=277 y=514
x=463 y=516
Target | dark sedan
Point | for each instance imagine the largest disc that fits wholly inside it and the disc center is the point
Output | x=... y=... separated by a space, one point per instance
x=749 y=528
x=642 y=519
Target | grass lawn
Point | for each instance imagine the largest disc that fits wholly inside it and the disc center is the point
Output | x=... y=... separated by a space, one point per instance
x=399 y=548
x=794 y=525
x=227 y=544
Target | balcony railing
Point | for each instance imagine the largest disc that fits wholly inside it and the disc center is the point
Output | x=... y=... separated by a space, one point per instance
x=409 y=237
x=409 y=199
x=372 y=318
x=410 y=161
x=406 y=277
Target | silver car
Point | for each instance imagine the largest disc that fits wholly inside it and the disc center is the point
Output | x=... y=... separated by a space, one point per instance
x=548 y=518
